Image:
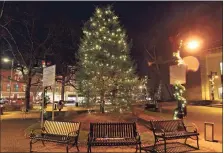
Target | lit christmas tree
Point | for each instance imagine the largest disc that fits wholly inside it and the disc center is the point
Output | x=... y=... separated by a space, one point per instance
x=178 y=95
x=106 y=69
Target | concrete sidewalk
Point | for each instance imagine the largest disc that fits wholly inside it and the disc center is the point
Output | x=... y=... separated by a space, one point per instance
x=20 y=115
x=205 y=146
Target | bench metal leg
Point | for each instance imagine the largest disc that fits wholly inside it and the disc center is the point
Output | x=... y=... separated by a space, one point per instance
x=67 y=148
x=154 y=144
x=43 y=143
x=185 y=141
x=165 y=145
x=136 y=148
x=77 y=148
x=89 y=149
x=140 y=149
x=30 y=145
x=197 y=142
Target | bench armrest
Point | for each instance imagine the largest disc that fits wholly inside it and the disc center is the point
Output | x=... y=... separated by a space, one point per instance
x=192 y=126
x=72 y=132
x=161 y=129
x=138 y=137
x=89 y=138
x=32 y=133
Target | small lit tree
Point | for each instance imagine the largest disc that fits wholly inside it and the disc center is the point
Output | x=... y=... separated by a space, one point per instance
x=178 y=95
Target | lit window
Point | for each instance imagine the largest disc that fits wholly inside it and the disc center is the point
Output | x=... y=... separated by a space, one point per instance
x=8 y=87
x=220 y=92
x=16 y=87
x=24 y=87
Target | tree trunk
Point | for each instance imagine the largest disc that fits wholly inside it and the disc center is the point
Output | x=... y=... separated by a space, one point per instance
x=63 y=87
x=102 y=104
x=88 y=98
x=27 y=94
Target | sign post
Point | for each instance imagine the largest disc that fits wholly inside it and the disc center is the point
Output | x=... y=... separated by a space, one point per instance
x=42 y=109
x=48 y=80
x=177 y=74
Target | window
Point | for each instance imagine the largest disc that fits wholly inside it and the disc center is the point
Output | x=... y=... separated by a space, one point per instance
x=24 y=87
x=16 y=87
x=57 y=89
x=8 y=87
x=220 y=92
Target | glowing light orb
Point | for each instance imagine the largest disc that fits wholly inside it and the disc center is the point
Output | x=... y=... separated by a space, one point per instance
x=192 y=63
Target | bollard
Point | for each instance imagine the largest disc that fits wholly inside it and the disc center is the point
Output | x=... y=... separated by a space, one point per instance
x=206 y=131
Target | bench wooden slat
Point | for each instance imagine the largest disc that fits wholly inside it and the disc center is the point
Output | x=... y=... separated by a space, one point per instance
x=60 y=128
x=59 y=132
x=170 y=130
x=113 y=134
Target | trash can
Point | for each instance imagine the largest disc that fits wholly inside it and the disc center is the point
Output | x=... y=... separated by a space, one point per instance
x=76 y=104
x=209 y=131
x=55 y=106
x=1 y=110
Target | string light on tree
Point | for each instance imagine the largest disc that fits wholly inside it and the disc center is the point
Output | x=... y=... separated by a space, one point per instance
x=180 y=111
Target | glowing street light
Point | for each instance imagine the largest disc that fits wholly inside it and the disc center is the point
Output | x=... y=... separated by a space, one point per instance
x=193 y=44
x=6 y=60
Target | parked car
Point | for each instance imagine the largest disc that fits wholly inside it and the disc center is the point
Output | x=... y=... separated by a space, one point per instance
x=3 y=102
x=69 y=103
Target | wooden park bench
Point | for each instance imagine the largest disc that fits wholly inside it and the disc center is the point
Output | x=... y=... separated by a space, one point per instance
x=113 y=134
x=164 y=130
x=58 y=132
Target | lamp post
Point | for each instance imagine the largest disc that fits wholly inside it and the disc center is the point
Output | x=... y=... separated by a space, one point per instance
x=181 y=109
x=212 y=76
x=6 y=60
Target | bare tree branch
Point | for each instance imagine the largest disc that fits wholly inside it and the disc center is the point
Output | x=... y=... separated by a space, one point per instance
x=8 y=22
x=28 y=43
x=43 y=43
x=17 y=49
x=2 y=9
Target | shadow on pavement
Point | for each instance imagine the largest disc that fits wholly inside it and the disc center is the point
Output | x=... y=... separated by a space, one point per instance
x=171 y=147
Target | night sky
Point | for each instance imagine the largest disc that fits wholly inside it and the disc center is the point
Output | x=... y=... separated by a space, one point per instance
x=142 y=20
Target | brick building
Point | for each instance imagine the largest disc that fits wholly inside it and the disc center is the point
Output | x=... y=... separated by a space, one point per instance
x=18 y=87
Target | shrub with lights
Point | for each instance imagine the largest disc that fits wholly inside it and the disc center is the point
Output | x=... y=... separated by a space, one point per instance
x=180 y=111
x=106 y=70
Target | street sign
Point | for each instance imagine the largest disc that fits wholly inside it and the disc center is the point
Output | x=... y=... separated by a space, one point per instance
x=49 y=76
x=178 y=74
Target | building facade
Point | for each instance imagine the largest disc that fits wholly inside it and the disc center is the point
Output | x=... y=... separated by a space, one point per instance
x=211 y=66
x=17 y=86
x=206 y=83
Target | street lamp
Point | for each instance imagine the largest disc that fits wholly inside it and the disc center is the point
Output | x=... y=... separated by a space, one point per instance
x=193 y=44
x=6 y=60
x=212 y=76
